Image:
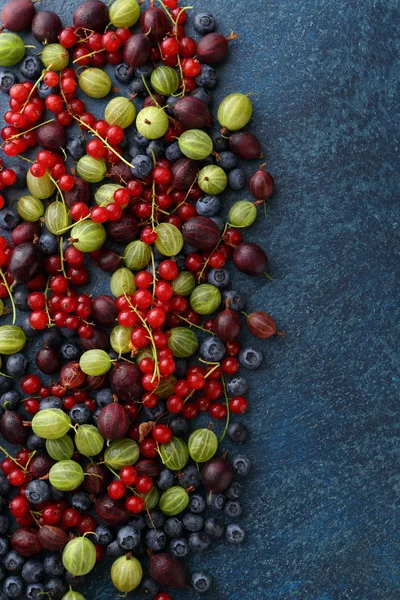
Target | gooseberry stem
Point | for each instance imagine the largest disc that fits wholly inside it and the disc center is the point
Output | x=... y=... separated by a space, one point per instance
x=14 y=310
x=150 y=94
x=62 y=257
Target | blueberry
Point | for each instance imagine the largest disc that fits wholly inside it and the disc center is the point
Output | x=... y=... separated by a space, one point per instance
x=158 y=147
x=155 y=519
x=123 y=74
x=32 y=571
x=236 y=179
x=128 y=537
x=104 y=397
x=34 y=442
x=235 y=534
x=140 y=140
x=201 y=582
x=165 y=479
x=9 y=218
x=52 y=338
x=199 y=541
x=237 y=386
x=80 y=414
x=37 y=491
x=104 y=535
x=35 y=591
x=203 y=95
x=226 y=160
x=95 y=416
x=138 y=521
x=241 y=465
x=134 y=150
x=190 y=477
x=188 y=248
x=218 y=277
x=56 y=587
x=179 y=425
x=237 y=300
x=3 y=505
x=137 y=87
x=51 y=402
x=145 y=70
x=10 y=400
x=173 y=527
x=7 y=80
x=173 y=152
x=48 y=243
x=220 y=143
x=212 y=349
x=197 y=503
x=4 y=545
x=70 y=351
x=237 y=432
x=6 y=384
x=170 y=104
x=219 y=222
x=76 y=148
x=75 y=580
x=250 y=358
x=192 y=522
x=208 y=206
x=204 y=23
x=13 y=586
x=20 y=296
x=13 y=561
x=214 y=528
x=56 y=494
x=67 y=333
x=142 y=166
x=180 y=363
x=156 y=539
x=207 y=78
x=53 y=564
x=81 y=501
x=216 y=501
x=4 y=524
x=114 y=549
x=29 y=331
x=44 y=91
x=234 y=491
x=3 y=573
x=179 y=547
x=20 y=182
x=233 y=509
x=148 y=588
x=153 y=414
x=31 y=67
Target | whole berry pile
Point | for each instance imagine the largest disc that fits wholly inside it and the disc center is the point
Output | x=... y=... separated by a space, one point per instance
x=109 y=459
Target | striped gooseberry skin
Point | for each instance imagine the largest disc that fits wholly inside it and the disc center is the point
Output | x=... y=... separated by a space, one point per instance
x=97 y=478
x=92 y=15
x=95 y=362
x=151 y=498
x=52 y=538
x=149 y=467
x=152 y=123
x=166 y=387
x=245 y=145
x=120 y=111
x=212 y=180
x=113 y=422
x=184 y=283
x=202 y=445
x=57 y=218
x=95 y=83
x=201 y=232
x=137 y=50
x=227 y=325
x=20 y=19
x=242 y=214
x=91 y=170
x=169 y=239
x=174 y=454
x=164 y=80
x=124 y=230
x=104 y=195
x=261 y=184
x=88 y=440
x=120 y=339
x=126 y=573
x=122 y=282
x=154 y=23
x=184 y=172
x=79 y=556
x=261 y=324
x=30 y=209
x=121 y=453
x=235 y=111
x=26 y=542
x=73 y=595
x=124 y=13
x=174 y=501
x=111 y=512
x=66 y=475
x=88 y=236
x=12 y=339
x=183 y=342
x=137 y=255
x=195 y=144
x=205 y=299
x=60 y=449
x=55 y=56
x=40 y=187
x=13 y=429
x=192 y=113
x=12 y=49
x=51 y=423
x=250 y=258
x=212 y=48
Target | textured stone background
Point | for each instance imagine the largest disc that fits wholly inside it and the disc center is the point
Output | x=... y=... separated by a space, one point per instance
x=321 y=507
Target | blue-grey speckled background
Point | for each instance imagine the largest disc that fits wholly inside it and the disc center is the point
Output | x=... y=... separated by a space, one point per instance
x=321 y=508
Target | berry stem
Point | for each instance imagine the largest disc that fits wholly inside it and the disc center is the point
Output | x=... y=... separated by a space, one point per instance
x=14 y=310
x=11 y=457
x=46 y=291
x=87 y=56
x=17 y=135
x=212 y=252
x=228 y=414
x=193 y=324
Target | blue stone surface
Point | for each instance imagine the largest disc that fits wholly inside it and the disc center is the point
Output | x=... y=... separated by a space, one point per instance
x=321 y=504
